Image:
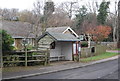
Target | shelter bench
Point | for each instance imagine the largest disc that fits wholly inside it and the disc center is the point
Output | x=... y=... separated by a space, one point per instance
x=58 y=58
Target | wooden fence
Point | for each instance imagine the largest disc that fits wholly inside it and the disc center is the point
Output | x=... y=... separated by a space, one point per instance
x=27 y=58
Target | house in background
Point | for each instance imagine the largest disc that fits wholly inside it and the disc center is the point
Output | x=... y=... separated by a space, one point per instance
x=19 y=31
x=63 y=43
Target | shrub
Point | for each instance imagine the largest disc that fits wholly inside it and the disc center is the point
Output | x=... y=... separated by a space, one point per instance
x=7 y=41
x=29 y=47
x=84 y=44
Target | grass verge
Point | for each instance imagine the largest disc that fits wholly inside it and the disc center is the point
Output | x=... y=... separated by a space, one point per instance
x=98 y=57
x=118 y=49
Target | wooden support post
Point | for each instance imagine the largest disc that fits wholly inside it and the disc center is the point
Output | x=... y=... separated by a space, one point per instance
x=25 y=56
x=78 y=56
x=48 y=56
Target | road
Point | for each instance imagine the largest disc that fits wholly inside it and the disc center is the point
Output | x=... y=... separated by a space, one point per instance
x=106 y=70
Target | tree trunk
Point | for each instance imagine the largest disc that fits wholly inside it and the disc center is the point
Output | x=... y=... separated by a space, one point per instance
x=115 y=25
x=119 y=24
x=115 y=30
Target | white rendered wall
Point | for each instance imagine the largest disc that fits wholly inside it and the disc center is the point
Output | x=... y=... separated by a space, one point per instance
x=57 y=51
x=62 y=48
x=67 y=50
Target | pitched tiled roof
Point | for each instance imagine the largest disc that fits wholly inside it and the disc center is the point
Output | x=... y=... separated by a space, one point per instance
x=61 y=30
x=18 y=29
x=60 y=36
x=57 y=29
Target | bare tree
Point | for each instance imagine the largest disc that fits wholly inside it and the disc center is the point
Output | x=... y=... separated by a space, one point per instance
x=59 y=18
x=48 y=12
x=69 y=7
x=9 y=14
x=38 y=7
x=26 y=16
x=113 y=19
x=92 y=6
x=14 y=13
x=37 y=11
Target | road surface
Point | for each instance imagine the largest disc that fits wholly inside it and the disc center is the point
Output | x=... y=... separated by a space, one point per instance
x=106 y=70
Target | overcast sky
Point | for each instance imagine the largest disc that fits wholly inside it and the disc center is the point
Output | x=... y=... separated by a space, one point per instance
x=28 y=4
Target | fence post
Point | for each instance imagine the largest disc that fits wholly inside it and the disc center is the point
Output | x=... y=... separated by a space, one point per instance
x=48 y=56
x=2 y=63
x=25 y=56
x=45 y=58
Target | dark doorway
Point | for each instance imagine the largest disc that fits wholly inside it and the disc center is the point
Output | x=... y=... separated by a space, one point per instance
x=93 y=50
